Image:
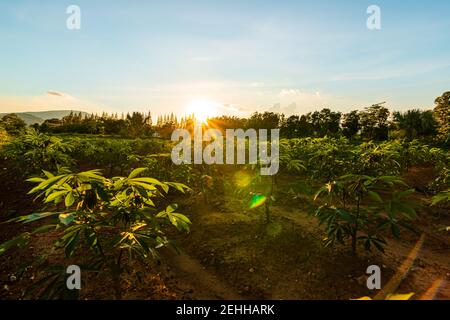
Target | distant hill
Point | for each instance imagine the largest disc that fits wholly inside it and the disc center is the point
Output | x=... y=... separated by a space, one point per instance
x=41 y=116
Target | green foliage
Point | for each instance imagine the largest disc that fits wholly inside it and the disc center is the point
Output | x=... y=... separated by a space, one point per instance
x=266 y=120
x=13 y=124
x=138 y=125
x=360 y=207
x=318 y=124
x=350 y=124
x=34 y=151
x=442 y=116
x=443 y=196
x=4 y=136
x=116 y=220
x=415 y=123
x=374 y=122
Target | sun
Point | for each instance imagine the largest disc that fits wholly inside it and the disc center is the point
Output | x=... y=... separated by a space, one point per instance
x=202 y=109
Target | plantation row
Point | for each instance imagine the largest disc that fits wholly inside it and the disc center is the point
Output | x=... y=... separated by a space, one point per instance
x=320 y=159
x=116 y=198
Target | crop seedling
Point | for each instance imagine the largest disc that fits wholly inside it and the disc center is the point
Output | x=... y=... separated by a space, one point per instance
x=117 y=220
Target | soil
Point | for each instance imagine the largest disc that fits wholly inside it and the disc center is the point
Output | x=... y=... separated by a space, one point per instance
x=232 y=253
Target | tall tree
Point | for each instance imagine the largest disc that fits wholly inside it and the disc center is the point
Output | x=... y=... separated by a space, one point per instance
x=350 y=124
x=325 y=122
x=266 y=120
x=442 y=115
x=374 y=122
x=415 y=123
x=137 y=125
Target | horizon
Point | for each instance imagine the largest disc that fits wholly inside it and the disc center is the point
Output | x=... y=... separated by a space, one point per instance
x=223 y=58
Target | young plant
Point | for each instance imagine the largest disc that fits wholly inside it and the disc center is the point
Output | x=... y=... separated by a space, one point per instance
x=353 y=208
x=34 y=151
x=116 y=220
x=442 y=197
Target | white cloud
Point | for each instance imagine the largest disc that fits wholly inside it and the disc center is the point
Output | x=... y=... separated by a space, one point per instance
x=298 y=94
x=51 y=100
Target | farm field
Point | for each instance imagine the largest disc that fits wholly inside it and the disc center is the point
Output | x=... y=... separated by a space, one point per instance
x=224 y=159
x=241 y=235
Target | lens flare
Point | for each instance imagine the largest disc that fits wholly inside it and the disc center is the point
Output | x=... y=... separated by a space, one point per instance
x=242 y=179
x=433 y=291
x=257 y=201
x=402 y=271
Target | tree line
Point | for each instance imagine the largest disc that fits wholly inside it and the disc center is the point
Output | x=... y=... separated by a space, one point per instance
x=372 y=123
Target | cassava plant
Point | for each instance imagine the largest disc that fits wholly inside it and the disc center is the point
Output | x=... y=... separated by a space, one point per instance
x=115 y=220
x=33 y=151
x=442 y=198
x=359 y=208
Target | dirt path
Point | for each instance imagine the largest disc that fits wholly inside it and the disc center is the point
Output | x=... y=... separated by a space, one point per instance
x=193 y=278
x=429 y=266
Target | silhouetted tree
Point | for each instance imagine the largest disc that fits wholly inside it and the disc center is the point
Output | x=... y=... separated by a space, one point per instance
x=442 y=116
x=350 y=124
x=374 y=122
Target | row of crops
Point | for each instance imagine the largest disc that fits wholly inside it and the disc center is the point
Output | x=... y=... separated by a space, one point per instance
x=322 y=159
x=116 y=198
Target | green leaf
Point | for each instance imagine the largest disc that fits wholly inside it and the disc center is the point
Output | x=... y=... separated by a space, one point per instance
x=20 y=241
x=136 y=172
x=70 y=199
x=33 y=217
x=375 y=196
x=55 y=195
x=148 y=180
x=46 y=183
x=92 y=174
x=35 y=180
x=45 y=228
x=172 y=208
x=441 y=197
x=71 y=244
x=395 y=230
x=66 y=218
x=146 y=186
x=346 y=216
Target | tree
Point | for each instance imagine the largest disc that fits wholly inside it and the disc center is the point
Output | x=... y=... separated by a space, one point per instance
x=13 y=124
x=227 y=122
x=290 y=127
x=114 y=126
x=442 y=115
x=325 y=122
x=137 y=125
x=414 y=123
x=350 y=124
x=374 y=122
x=266 y=120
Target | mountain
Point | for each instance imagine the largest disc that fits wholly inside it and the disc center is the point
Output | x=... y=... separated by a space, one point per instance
x=41 y=116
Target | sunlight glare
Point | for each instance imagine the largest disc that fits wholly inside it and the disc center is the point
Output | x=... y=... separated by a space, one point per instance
x=203 y=109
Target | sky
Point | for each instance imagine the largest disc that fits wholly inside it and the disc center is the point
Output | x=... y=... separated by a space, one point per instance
x=235 y=56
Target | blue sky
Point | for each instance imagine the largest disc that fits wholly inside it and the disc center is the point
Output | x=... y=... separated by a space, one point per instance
x=288 y=56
